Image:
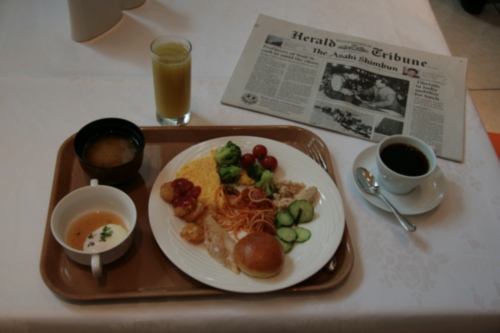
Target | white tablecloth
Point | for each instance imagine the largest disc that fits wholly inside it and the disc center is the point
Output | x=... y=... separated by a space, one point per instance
x=444 y=277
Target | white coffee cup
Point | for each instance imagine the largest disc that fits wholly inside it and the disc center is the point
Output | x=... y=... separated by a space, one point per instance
x=395 y=172
x=90 y=199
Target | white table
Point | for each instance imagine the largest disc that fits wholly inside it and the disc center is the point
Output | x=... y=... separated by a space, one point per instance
x=445 y=277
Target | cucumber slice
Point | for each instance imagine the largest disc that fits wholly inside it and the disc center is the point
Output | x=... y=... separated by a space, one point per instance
x=287 y=247
x=302 y=211
x=284 y=219
x=303 y=234
x=286 y=234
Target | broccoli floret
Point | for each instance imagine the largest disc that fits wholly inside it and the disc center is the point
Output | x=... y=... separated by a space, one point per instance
x=267 y=183
x=229 y=154
x=229 y=174
x=255 y=171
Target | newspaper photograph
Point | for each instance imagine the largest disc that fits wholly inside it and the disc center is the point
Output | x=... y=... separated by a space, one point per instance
x=350 y=85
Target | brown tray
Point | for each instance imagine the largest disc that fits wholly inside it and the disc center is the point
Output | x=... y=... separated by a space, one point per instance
x=144 y=271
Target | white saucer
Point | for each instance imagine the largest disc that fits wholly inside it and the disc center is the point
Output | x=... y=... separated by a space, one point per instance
x=422 y=199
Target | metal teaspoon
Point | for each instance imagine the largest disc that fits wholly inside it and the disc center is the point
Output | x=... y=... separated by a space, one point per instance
x=370 y=185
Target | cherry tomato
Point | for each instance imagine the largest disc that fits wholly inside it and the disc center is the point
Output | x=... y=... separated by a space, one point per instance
x=269 y=163
x=259 y=151
x=246 y=160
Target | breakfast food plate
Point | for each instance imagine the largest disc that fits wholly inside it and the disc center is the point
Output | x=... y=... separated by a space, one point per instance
x=144 y=271
x=302 y=262
x=423 y=198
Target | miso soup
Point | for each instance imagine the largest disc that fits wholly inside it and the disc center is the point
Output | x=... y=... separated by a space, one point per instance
x=110 y=150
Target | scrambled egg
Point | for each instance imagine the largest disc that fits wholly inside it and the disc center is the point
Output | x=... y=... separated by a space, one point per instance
x=245 y=180
x=203 y=172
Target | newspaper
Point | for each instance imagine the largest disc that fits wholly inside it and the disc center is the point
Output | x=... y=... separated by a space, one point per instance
x=358 y=87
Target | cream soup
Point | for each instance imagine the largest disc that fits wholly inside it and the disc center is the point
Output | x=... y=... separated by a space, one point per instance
x=90 y=228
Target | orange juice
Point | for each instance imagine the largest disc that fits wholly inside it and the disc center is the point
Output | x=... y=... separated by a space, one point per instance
x=172 y=78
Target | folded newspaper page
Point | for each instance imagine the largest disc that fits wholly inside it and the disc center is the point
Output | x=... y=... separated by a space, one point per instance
x=358 y=87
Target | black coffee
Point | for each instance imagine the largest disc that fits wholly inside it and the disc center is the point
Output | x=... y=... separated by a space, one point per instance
x=405 y=159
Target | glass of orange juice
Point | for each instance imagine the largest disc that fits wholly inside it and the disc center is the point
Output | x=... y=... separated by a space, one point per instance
x=171 y=56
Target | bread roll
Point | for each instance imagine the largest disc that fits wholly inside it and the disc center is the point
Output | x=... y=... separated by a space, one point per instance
x=259 y=255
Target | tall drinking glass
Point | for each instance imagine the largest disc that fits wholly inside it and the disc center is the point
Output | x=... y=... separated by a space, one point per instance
x=171 y=57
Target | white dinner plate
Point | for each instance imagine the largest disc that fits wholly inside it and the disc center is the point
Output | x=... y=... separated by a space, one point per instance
x=302 y=262
x=423 y=198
